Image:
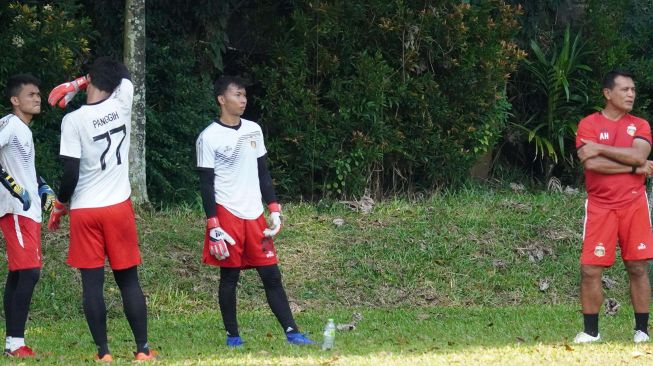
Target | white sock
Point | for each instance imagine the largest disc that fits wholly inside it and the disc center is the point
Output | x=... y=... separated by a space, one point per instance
x=7 y=342
x=16 y=343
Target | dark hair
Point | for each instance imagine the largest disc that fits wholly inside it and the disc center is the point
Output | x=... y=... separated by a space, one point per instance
x=107 y=73
x=16 y=82
x=222 y=84
x=608 y=79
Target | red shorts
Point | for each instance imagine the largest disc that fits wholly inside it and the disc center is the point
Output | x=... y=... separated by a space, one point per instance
x=252 y=248
x=100 y=232
x=630 y=226
x=23 y=238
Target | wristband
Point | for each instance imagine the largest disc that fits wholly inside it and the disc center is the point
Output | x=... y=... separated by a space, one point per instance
x=212 y=222
x=274 y=207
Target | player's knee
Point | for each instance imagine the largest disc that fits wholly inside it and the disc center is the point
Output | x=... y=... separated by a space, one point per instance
x=591 y=273
x=637 y=269
x=30 y=275
x=229 y=277
x=127 y=278
x=270 y=276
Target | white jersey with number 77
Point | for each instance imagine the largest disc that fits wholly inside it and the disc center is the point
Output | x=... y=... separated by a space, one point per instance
x=98 y=135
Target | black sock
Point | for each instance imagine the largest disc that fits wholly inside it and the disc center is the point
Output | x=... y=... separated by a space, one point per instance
x=227 y=299
x=94 y=307
x=10 y=287
x=641 y=322
x=143 y=348
x=18 y=299
x=591 y=322
x=102 y=349
x=276 y=296
x=134 y=306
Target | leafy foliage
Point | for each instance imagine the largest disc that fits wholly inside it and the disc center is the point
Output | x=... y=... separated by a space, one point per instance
x=561 y=95
x=408 y=97
x=185 y=46
x=50 y=41
x=615 y=34
x=621 y=35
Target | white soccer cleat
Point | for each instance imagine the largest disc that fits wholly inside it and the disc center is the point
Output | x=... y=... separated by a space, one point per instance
x=583 y=337
x=640 y=337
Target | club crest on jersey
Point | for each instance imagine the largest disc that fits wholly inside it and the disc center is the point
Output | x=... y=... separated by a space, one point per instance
x=631 y=129
x=253 y=143
x=599 y=250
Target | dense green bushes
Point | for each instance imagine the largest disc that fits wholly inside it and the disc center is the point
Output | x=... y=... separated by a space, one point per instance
x=50 y=42
x=611 y=34
x=386 y=96
x=391 y=96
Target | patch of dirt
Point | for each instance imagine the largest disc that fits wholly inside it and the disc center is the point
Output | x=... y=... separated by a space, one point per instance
x=611 y=307
x=536 y=251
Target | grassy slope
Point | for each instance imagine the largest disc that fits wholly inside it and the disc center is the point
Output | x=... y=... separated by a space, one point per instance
x=468 y=248
x=454 y=270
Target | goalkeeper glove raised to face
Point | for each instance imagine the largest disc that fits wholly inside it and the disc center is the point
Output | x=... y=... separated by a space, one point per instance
x=64 y=93
x=218 y=238
x=274 y=225
x=47 y=197
x=15 y=189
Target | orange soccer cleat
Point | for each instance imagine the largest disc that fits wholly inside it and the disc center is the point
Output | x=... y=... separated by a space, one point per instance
x=141 y=356
x=106 y=358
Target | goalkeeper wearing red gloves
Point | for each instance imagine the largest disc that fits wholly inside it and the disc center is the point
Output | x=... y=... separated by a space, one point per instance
x=20 y=214
x=95 y=191
x=234 y=180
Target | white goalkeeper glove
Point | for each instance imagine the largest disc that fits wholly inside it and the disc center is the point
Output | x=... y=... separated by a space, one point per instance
x=274 y=225
x=217 y=238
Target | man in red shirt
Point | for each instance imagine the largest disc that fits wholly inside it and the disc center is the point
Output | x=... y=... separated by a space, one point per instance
x=613 y=147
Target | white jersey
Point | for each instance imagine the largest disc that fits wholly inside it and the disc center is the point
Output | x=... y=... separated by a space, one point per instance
x=17 y=158
x=98 y=135
x=233 y=154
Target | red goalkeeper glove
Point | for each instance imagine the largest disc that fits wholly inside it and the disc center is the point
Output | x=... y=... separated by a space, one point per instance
x=275 y=220
x=64 y=93
x=58 y=211
x=217 y=238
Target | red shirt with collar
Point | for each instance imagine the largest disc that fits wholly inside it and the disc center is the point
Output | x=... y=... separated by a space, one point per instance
x=613 y=190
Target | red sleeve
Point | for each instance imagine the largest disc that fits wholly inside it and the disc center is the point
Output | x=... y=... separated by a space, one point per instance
x=585 y=131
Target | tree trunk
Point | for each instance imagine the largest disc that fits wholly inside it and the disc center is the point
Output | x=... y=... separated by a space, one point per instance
x=134 y=58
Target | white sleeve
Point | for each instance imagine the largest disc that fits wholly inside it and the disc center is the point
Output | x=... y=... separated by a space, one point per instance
x=5 y=132
x=205 y=153
x=124 y=93
x=260 y=146
x=70 y=140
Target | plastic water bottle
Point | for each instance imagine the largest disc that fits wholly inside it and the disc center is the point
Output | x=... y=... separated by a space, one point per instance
x=329 y=335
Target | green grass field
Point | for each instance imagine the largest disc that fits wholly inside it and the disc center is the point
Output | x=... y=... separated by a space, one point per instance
x=449 y=279
x=524 y=335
